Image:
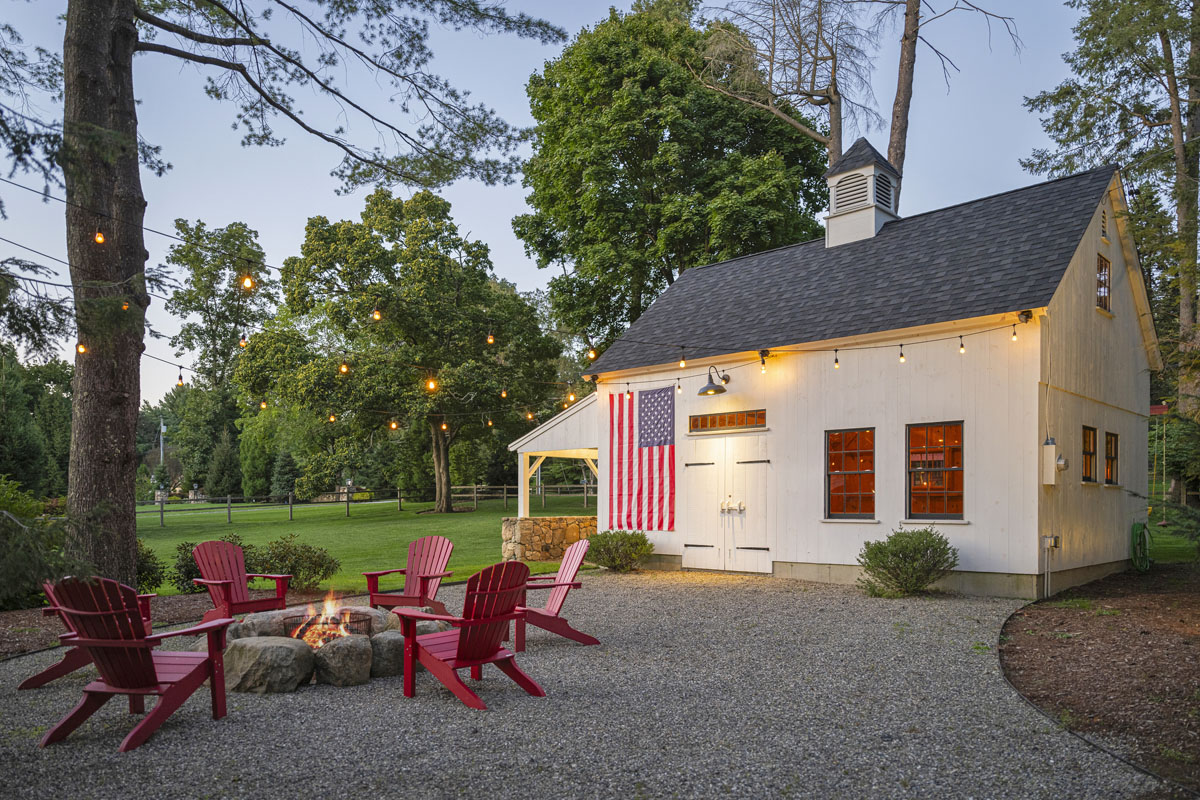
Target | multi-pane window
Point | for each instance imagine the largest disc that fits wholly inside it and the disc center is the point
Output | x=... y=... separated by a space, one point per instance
x=935 y=471
x=1089 y=454
x=730 y=420
x=1110 y=458
x=850 y=474
x=1103 y=281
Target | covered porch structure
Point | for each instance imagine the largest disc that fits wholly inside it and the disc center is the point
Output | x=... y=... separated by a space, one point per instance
x=572 y=434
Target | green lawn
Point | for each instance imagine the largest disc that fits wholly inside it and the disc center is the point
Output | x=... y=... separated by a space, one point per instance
x=1171 y=542
x=374 y=537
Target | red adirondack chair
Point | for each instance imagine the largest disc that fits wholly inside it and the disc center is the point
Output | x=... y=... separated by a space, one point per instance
x=427 y=560
x=547 y=616
x=475 y=639
x=223 y=567
x=105 y=622
x=75 y=657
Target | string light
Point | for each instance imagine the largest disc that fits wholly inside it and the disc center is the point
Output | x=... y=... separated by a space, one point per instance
x=247 y=282
x=489 y=423
x=836 y=363
x=628 y=392
x=762 y=358
x=376 y=315
x=333 y=418
x=678 y=387
x=1014 y=336
x=99 y=237
x=528 y=415
x=125 y=306
x=962 y=348
x=591 y=354
x=682 y=359
x=431 y=384
x=81 y=348
x=901 y=354
x=571 y=397
x=242 y=341
x=393 y=425
x=491 y=339
x=262 y=404
x=444 y=426
x=565 y=405
x=180 y=381
x=344 y=367
x=503 y=393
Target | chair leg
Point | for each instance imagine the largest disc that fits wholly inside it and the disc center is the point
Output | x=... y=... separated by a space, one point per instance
x=90 y=703
x=509 y=667
x=562 y=628
x=410 y=665
x=477 y=672
x=437 y=605
x=176 y=696
x=449 y=678
x=73 y=659
x=519 y=635
x=216 y=685
x=137 y=704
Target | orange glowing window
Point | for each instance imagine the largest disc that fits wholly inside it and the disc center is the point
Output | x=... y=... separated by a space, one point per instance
x=850 y=474
x=732 y=421
x=935 y=471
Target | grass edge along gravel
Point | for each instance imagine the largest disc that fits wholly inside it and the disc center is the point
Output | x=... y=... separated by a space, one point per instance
x=374 y=537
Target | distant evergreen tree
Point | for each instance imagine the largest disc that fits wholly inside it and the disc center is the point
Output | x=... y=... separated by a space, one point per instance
x=283 y=477
x=224 y=469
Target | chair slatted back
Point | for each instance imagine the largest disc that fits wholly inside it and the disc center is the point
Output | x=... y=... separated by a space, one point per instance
x=223 y=561
x=429 y=554
x=104 y=609
x=492 y=592
x=567 y=570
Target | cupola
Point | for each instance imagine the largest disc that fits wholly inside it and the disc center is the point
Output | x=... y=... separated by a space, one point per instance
x=862 y=195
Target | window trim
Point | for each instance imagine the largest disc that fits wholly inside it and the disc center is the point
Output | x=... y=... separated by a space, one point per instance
x=843 y=516
x=1104 y=282
x=909 y=515
x=1112 y=475
x=1087 y=469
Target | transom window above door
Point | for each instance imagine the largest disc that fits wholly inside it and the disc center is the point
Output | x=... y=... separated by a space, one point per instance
x=727 y=421
x=935 y=471
x=850 y=474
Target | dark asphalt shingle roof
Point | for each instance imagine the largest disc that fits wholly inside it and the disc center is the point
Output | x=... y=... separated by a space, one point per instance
x=1000 y=254
x=860 y=154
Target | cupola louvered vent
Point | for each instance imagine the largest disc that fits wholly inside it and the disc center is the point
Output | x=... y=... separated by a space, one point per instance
x=850 y=192
x=883 y=191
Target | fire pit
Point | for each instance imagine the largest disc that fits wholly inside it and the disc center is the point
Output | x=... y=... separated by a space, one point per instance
x=317 y=630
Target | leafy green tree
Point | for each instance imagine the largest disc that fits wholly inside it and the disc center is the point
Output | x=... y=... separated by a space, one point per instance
x=22 y=445
x=50 y=384
x=639 y=172
x=284 y=475
x=1134 y=98
x=438 y=306
x=257 y=449
x=224 y=469
x=257 y=55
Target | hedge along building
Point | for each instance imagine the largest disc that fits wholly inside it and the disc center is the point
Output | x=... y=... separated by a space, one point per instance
x=982 y=369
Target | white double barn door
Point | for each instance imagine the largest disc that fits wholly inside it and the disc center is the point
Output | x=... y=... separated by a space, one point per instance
x=725 y=511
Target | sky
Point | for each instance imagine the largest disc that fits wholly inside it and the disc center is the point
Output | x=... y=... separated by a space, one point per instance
x=964 y=139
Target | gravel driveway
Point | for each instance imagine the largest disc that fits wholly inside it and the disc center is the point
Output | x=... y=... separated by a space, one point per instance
x=705 y=685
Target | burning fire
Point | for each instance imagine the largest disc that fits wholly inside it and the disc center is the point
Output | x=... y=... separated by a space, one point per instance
x=319 y=629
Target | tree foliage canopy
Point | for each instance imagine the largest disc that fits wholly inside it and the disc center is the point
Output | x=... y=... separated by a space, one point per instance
x=639 y=172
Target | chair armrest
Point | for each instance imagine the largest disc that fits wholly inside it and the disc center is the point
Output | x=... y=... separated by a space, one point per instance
x=204 y=582
x=518 y=613
x=553 y=577
x=146 y=596
x=281 y=583
x=432 y=574
x=49 y=611
x=144 y=604
x=383 y=572
x=573 y=585
x=195 y=630
x=272 y=577
x=416 y=613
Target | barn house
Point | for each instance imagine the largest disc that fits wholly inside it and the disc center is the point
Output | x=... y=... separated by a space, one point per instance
x=983 y=369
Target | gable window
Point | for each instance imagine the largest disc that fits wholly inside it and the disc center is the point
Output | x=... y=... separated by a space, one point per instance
x=1104 y=224
x=1089 y=454
x=1103 y=280
x=850 y=474
x=730 y=421
x=1110 y=459
x=935 y=471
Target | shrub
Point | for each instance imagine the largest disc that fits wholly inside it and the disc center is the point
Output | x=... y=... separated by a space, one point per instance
x=907 y=561
x=620 y=551
x=31 y=551
x=16 y=502
x=185 y=570
x=308 y=565
x=151 y=571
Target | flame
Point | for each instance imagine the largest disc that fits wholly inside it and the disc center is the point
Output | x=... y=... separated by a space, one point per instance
x=317 y=630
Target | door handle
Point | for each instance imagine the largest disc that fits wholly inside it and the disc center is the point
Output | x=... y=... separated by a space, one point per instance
x=723 y=508
x=741 y=507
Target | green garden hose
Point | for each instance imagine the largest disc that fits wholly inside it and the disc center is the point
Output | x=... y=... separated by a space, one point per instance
x=1139 y=547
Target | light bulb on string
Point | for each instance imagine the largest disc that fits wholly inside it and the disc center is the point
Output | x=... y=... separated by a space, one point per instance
x=376 y=315
x=81 y=348
x=628 y=392
x=1014 y=336
x=836 y=363
x=962 y=348
x=242 y=342
x=262 y=404
x=901 y=354
x=491 y=339
x=125 y=306
x=565 y=406
x=99 y=237
x=528 y=415
x=682 y=359
x=444 y=426
x=591 y=354
x=489 y=423
x=343 y=368
x=571 y=397
x=180 y=381
x=247 y=282
x=503 y=393
x=678 y=387
x=431 y=384
x=762 y=359
x=393 y=425
x=333 y=417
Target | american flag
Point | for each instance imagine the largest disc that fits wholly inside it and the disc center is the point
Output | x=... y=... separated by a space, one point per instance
x=641 y=477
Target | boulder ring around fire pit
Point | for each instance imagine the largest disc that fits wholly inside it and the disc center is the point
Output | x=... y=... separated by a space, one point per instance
x=279 y=651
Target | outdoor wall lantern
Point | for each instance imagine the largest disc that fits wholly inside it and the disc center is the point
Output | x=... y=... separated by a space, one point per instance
x=716 y=382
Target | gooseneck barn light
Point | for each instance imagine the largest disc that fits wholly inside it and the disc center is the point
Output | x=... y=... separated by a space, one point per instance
x=716 y=383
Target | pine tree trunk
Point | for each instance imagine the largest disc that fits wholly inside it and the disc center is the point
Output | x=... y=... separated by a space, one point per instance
x=443 y=501
x=898 y=137
x=834 y=146
x=104 y=194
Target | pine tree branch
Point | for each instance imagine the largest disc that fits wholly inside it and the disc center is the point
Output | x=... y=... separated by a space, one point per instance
x=188 y=33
